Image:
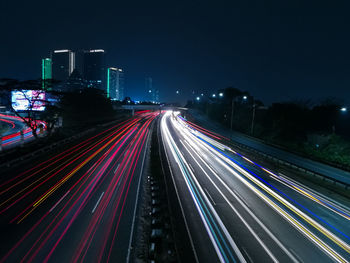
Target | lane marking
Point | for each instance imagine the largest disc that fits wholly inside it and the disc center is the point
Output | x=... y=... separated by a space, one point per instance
x=191 y=167
x=244 y=205
x=324 y=246
x=116 y=168
x=59 y=201
x=98 y=201
x=178 y=155
x=250 y=229
x=137 y=198
x=211 y=198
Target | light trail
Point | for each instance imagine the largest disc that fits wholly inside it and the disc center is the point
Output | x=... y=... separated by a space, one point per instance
x=275 y=198
x=293 y=185
x=203 y=205
x=8 y=122
x=15 y=137
x=113 y=157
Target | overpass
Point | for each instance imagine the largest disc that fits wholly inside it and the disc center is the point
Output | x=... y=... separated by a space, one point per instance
x=139 y=107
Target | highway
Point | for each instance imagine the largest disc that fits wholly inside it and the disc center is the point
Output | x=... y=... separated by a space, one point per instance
x=12 y=137
x=238 y=211
x=317 y=167
x=77 y=205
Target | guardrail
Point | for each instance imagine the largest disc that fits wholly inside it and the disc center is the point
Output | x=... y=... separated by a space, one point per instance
x=53 y=145
x=286 y=163
x=184 y=244
x=291 y=165
x=44 y=149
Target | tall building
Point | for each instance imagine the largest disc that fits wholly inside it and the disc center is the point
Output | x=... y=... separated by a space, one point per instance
x=79 y=61
x=152 y=93
x=46 y=72
x=63 y=64
x=94 y=68
x=115 y=83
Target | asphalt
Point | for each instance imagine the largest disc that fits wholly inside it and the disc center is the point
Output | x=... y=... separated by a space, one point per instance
x=317 y=167
x=78 y=204
x=237 y=211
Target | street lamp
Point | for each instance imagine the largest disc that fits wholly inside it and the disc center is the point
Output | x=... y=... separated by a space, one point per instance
x=177 y=92
x=214 y=95
x=198 y=98
x=233 y=107
x=253 y=118
x=343 y=110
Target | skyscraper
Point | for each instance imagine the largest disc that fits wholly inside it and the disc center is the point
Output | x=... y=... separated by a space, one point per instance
x=63 y=64
x=115 y=83
x=46 y=72
x=94 y=68
x=153 y=94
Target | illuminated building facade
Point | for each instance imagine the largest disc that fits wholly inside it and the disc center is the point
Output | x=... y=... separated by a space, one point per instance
x=115 y=83
x=46 y=72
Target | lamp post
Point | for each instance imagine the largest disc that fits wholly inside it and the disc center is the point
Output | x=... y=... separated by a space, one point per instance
x=221 y=94
x=342 y=110
x=233 y=107
x=253 y=119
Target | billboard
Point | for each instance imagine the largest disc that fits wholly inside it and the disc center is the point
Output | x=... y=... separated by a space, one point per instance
x=23 y=100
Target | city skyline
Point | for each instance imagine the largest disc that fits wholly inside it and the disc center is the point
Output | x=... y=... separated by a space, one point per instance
x=277 y=52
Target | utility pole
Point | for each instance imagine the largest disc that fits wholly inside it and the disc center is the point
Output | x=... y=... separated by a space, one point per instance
x=252 y=126
x=232 y=111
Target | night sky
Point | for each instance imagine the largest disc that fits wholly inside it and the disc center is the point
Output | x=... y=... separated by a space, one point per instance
x=276 y=50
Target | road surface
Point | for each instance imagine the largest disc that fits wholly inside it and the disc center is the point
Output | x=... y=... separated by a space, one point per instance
x=13 y=137
x=78 y=205
x=317 y=167
x=237 y=210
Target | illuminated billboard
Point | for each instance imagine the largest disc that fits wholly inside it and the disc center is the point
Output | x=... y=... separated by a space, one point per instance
x=23 y=100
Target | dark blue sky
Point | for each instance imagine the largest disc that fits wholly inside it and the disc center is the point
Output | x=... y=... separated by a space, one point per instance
x=276 y=50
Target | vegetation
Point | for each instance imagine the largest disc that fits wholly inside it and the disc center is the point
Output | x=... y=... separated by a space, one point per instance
x=75 y=110
x=319 y=131
x=29 y=116
x=85 y=108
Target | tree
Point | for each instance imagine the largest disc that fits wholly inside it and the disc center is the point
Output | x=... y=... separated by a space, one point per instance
x=35 y=99
x=85 y=108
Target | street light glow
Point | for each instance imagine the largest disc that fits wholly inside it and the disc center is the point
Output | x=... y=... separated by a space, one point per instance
x=344 y=109
x=245 y=97
x=198 y=98
x=221 y=94
x=213 y=95
x=177 y=92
